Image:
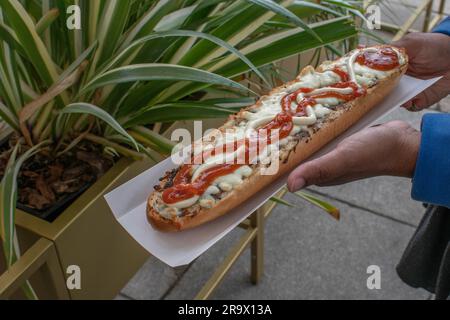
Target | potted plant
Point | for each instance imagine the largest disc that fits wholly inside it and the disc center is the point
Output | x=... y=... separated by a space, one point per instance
x=79 y=100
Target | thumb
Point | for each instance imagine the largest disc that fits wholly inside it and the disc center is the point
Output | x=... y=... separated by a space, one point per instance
x=321 y=171
x=418 y=103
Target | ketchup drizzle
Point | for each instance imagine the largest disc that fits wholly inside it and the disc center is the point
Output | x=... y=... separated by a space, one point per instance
x=384 y=59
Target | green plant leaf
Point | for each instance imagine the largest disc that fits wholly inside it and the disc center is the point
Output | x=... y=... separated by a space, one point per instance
x=148 y=21
x=282 y=11
x=8 y=202
x=33 y=107
x=184 y=33
x=282 y=202
x=86 y=108
x=286 y=44
x=111 y=26
x=271 y=49
x=81 y=58
x=45 y=22
x=9 y=117
x=231 y=103
x=372 y=35
x=30 y=41
x=175 y=19
x=343 y=4
x=157 y=71
x=330 y=209
x=8 y=35
x=234 y=29
x=177 y=111
x=164 y=144
x=8 y=199
x=321 y=8
x=93 y=20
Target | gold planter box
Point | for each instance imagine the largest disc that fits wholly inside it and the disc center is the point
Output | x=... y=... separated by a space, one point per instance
x=85 y=235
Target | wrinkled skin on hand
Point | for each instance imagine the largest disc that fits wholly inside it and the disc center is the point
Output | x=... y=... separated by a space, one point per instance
x=388 y=149
x=429 y=57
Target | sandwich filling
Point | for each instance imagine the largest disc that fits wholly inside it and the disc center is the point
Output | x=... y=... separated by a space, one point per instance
x=279 y=119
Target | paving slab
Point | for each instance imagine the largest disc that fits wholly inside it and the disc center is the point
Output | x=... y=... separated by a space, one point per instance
x=414 y=3
x=444 y=105
x=311 y=256
x=153 y=281
x=397 y=14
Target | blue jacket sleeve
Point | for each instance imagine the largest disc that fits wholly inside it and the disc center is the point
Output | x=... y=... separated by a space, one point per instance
x=443 y=27
x=431 y=182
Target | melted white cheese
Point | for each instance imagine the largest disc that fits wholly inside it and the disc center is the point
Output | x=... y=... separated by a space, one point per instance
x=185 y=203
x=306 y=121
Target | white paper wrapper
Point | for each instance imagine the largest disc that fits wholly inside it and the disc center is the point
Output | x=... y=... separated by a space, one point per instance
x=128 y=202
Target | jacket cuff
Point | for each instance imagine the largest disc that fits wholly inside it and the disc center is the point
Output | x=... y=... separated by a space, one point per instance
x=443 y=27
x=431 y=182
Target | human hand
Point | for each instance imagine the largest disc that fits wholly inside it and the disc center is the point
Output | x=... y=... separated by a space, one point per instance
x=429 y=57
x=388 y=149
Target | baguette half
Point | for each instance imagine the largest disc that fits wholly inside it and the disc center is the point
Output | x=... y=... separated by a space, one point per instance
x=342 y=117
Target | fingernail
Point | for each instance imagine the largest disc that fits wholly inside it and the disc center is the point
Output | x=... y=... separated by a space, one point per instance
x=298 y=184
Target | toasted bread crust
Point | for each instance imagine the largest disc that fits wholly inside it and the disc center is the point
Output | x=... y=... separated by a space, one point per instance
x=335 y=124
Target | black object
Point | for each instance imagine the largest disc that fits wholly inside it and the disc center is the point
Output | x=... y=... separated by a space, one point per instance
x=57 y=208
x=426 y=261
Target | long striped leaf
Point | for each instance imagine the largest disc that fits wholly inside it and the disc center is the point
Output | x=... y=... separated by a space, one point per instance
x=282 y=202
x=330 y=209
x=29 y=39
x=271 y=49
x=93 y=17
x=8 y=202
x=86 y=108
x=233 y=30
x=9 y=117
x=110 y=28
x=232 y=103
x=8 y=198
x=47 y=20
x=157 y=71
x=147 y=23
x=287 y=43
x=341 y=3
x=10 y=84
x=185 y=33
x=9 y=36
x=164 y=145
x=322 y=8
x=174 y=20
x=76 y=64
x=179 y=111
x=32 y=108
x=282 y=11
